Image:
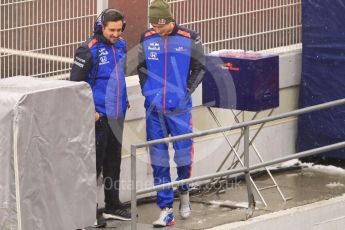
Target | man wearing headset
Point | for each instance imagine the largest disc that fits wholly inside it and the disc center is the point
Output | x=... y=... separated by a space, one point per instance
x=101 y=62
x=171 y=65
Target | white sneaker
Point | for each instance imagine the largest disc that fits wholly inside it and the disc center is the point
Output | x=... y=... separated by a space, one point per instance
x=166 y=218
x=184 y=208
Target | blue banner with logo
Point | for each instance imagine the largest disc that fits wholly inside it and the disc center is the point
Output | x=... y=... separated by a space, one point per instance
x=323 y=74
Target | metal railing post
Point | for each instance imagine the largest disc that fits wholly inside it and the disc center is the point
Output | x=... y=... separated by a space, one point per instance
x=133 y=188
x=251 y=200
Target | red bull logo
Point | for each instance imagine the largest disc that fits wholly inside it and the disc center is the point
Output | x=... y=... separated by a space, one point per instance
x=230 y=66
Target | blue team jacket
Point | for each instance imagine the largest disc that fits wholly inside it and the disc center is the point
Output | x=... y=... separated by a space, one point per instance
x=107 y=78
x=168 y=69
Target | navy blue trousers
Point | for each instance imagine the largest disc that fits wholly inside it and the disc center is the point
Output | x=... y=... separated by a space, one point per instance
x=108 y=158
x=159 y=126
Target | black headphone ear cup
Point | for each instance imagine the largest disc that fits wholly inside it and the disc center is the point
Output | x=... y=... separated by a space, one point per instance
x=97 y=28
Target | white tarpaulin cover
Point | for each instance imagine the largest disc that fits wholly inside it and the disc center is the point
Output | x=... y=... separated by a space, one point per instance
x=47 y=155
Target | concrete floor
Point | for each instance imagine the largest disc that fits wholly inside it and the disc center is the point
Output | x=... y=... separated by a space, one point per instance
x=300 y=186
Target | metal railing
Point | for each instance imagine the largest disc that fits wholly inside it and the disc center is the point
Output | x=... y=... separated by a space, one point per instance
x=246 y=169
x=38 y=38
x=241 y=24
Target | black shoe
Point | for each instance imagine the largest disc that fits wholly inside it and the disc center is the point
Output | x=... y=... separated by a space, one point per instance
x=117 y=214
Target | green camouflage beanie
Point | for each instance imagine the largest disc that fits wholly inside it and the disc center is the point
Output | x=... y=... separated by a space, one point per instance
x=159 y=12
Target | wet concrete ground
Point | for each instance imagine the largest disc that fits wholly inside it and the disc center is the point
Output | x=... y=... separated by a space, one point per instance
x=300 y=186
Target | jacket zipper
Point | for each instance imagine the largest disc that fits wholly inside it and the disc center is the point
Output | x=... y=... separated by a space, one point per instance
x=118 y=83
x=165 y=72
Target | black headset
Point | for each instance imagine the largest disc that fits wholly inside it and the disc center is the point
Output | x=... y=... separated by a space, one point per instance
x=97 y=28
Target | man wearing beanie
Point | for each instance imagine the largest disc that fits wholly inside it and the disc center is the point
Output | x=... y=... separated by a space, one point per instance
x=171 y=66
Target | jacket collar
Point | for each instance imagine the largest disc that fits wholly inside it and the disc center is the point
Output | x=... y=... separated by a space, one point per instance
x=175 y=29
x=100 y=38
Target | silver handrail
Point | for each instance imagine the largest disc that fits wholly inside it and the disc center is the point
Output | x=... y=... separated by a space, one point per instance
x=244 y=170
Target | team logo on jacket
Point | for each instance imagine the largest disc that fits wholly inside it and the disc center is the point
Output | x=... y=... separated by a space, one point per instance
x=180 y=49
x=162 y=21
x=154 y=46
x=153 y=56
x=103 y=60
x=102 y=52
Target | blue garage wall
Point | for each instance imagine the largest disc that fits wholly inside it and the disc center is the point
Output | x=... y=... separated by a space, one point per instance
x=323 y=74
